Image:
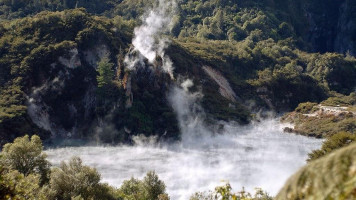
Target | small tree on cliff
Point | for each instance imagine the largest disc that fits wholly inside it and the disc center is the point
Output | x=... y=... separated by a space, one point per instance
x=106 y=73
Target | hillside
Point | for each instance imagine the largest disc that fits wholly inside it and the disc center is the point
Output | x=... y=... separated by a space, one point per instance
x=325 y=26
x=195 y=89
x=244 y=57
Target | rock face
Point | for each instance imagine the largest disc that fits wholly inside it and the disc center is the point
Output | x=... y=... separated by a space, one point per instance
x=346 y=29
x=331 y=26
x=64 y=102
x=224 y=86
x=331 y=177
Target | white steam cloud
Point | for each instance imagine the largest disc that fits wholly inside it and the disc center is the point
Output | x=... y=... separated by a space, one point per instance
x=259 y=155
x=149 y=41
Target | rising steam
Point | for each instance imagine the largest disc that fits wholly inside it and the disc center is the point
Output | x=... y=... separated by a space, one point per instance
x=259 y=155
x=149 y=40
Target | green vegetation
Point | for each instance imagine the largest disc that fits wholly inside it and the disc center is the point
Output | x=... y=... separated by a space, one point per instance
x=341 y=100
x=31 y=49
x=333 y=119
x=106 y=72
x=331 y=177
x=25 y=156
x=74 y=180
x=25 y=174
x=333 y=143
x=225 y=193
x=332 y=116
x=148 y=188
x=62 y=63
x=306 y=108
x=258 y=46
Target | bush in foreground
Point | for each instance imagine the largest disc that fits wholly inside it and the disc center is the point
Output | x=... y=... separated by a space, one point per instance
x=225 y=193
x=25 y=174
x=331 y=177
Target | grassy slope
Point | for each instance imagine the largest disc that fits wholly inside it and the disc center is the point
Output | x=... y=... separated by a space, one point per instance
x=331 y=177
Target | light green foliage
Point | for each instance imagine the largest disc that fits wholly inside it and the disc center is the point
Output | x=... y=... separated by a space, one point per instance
x=26 y=156
x=333 y=143
x=153 y=186
x=334 y=115
x=17 y=186
x=341 y=100
x=73 y=179
x=9 y=100
x=132 y=189
x=331 y=177
x=150 y=188
x=225 y=193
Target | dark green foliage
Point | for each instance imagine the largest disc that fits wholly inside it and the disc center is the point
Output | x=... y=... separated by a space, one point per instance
x=255 y=45
x=305 y=108
x=106 y=72
x=333 y=70
x=109 y=91
x=30 y=49
x=22 y=8
x=150 y=112
x=333 y=143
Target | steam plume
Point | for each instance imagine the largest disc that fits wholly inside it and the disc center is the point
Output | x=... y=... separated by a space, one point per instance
x=149 y=41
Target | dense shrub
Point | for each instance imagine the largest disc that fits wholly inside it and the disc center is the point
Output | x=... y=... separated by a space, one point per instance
x=26 y=156
x=74 y=179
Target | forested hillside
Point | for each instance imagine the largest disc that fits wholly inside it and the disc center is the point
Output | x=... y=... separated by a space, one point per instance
x=71 y=71
x=326 y=26
x=272 y=53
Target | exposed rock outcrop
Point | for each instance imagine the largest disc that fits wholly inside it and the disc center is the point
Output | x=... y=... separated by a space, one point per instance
x=225 y=88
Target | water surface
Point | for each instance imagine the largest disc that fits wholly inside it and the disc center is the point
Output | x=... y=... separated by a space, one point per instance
x=260 y=155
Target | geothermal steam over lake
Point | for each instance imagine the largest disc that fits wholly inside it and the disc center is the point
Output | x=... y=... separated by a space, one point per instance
x=259 y=155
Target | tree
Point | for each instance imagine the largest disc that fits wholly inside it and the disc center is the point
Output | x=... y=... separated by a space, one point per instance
x=14 y=185
x=75 y=180
x=153 y=186
x=106 y=73
x=26 y=156
x=150 y=188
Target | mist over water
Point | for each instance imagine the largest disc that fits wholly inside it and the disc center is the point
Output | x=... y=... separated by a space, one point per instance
x=258 y=155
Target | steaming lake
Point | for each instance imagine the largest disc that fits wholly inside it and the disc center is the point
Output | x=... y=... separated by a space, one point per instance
x=260 y=155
